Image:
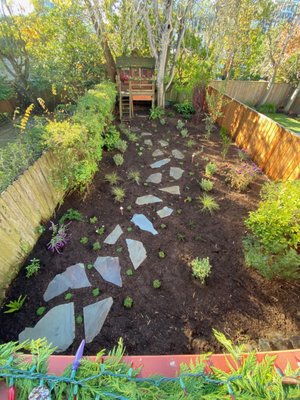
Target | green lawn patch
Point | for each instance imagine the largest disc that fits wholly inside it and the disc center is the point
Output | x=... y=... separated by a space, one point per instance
x=290 y=123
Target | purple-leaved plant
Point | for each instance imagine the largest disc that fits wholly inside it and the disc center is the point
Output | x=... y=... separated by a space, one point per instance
x=59 y=237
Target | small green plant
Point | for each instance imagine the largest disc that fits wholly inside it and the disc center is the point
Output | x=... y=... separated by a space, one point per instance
x=210 y=169
x=186 y=109
x=129 y=229
x=100 y=231
x=121 y=145
x=156 y=113
x=179 y=211
x=15 y=305
x=129 y=208
x=33 y=267
x=90 y=266
x=190 y=143
x=162 y=254
x=135 y=176
x=180 y=237
x=156 y=283
x=184 y=133
x=71 y=215
x=40 y=311
x=129 y=272
x=267 y=108
x=84 y=240
x=163 y=226
x=112 y=178
x=209 y=125
x=201 y=268
x=39 y=229
x=208 y=203
x=206 y=185
x=79 y=319
x=97 y=246
x=111 y=137
x=119 y=249
x=226 y=142
x=93 y=220
x=180 y=125
x=132 y=137
x=162 y=121
x=240 y=177
x=96 y=292
x=170 y=114
x=68 y=296
x=118 y=159
x=118 y=193
x=188 y=199
x=128 y=302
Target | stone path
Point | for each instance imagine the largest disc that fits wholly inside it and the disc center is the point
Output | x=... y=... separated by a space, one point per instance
x=58 y=324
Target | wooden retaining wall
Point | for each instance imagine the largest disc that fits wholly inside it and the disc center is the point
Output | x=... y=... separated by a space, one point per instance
x=24 y=205
x=273 y=148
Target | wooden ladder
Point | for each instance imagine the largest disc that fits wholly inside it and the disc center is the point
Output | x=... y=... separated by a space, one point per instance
x=124 y=106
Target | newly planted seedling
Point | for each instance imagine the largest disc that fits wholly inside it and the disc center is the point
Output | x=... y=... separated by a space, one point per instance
x=128 y=302
x=100 y=231
x=129 y=229
x=84 y=240
x=15 y=305
x=188 y=199
x=208 y=204
x=135 y=176
x=190 y=143
x=68 y=296
x=112 y=178
x=181 y=237
x=79 y=319
x=132 y=137
x=39 y=229
x=210 y=169
x=121 y=145
x=96 y=292
x=119 y=249
x=118 y=159
x=162 y=121
x=179 y=211
x=40 y=311
x=129 y=208
x=71 y=215
x=97 y=246
x=184 y=133
x=163 y=226
x=156 y=283
x=33 y=267
x=93 y=220
x=180 y=125
x=162 y=254
x=59 y=237
x=201 y=268
x=206 y=185
x=129 y=272
x=118 y=193
x=90 y=266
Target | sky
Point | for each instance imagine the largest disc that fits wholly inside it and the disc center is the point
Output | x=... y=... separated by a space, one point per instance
x=21 y=6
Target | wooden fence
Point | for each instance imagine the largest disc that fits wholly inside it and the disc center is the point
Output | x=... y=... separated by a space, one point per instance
x=273 y=148
x=24 y=205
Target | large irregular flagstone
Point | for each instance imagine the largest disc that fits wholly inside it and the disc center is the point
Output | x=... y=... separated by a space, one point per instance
x=143 y=223
x=110 y=270
x=154 y=178
x=177 y=154
x=164 y=212
x=74 y=277
x=148 y=199
x=94 y=317
x=157 y=153
x=163 y=143
x=171 y=189
x=113 y=237
x=160 y=163
x=148 y=142
x=137 y=252
x=176 y=172
x=57 y=326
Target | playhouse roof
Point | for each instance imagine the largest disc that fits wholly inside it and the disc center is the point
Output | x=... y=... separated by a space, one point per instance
x=133 y=61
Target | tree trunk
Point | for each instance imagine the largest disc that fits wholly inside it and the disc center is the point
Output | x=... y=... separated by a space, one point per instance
x=269 y=87
x=292 y=98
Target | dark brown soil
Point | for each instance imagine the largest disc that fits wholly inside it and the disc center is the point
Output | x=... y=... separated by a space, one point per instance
x=178 y=317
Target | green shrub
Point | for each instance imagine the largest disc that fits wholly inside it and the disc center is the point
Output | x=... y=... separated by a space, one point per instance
x=33 y=268
x=118 y=159
x=112 y=178
x=77 y=142
x=121 y=145
x=186 y=109
x=71 y=215
x=240 y=177
x=180 y=125
x=156 y=113
x=118 y=193
x=210 y=169
x=111 y=137
x=267 y=108
x=206 y=185
x=275 y=231
x=201 y=268
x=208 y=203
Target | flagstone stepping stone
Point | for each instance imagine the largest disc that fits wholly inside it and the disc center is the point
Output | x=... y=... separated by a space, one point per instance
x=146 y=134
x=74 y=277
x=135 y=129
x=163 y=143
x=176 y=172
x=160 y=163
x=171 y=189
x=143 y=223
x=148 y=142
x=94 y=317
x=177 y=154
x=113 y=237
x=148 y=199
x=137 y=252
x=157 y=153
x=154 y=178
x=164 y=212
x=57 y=326
x=110 y=270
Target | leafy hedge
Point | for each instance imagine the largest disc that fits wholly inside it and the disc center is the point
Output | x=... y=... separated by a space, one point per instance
x=274 y=243
x=77 y=141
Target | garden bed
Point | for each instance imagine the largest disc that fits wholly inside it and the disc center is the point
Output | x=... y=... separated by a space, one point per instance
x=178 y=317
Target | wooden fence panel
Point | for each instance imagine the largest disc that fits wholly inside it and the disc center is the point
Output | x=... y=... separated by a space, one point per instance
x=273 y=148
x=28 y=202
